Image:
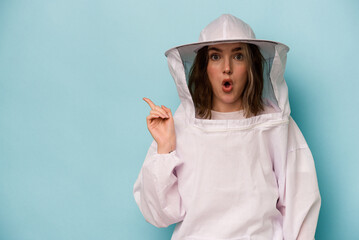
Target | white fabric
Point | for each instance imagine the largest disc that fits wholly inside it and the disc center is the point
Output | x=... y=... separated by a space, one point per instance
x=250 y=178
x=231 y=28
x=227 y=115
x=236 y=115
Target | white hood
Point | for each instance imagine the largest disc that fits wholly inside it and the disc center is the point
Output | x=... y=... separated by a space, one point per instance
x=251 y=178
x=226 y=29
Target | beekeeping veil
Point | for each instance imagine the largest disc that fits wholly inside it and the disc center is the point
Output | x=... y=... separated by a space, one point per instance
x=229 y=29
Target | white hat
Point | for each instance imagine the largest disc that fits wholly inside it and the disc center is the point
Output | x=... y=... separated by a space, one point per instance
x=225 y=29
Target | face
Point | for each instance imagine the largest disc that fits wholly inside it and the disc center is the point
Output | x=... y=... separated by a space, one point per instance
x=227 y=73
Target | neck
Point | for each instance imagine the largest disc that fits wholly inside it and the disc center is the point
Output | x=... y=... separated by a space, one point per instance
x=227 y=107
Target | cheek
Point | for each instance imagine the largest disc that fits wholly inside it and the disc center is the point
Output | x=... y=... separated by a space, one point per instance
x=210 y=71
x=243 y=69
x=213 y=72
x=242 y=72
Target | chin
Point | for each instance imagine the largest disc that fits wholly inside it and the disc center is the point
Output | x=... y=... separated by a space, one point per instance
x=229 y=100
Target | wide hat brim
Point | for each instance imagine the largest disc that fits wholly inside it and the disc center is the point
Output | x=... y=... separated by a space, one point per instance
x=266 y=46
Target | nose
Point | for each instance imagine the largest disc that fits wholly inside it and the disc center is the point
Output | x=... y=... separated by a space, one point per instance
x=227 y=68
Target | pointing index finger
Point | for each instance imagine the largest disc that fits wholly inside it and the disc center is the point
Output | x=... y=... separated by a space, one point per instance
x=150 y=103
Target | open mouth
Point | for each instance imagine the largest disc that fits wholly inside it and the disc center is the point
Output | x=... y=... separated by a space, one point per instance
x=227 y=85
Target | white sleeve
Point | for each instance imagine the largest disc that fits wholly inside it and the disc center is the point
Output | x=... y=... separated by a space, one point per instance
x=299 y=200
x=156 y=189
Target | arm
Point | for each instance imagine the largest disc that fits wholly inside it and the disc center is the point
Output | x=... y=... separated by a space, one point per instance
x=299 y=200
x=156 y=189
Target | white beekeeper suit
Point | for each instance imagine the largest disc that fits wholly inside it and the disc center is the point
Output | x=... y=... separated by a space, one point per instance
x=251 y=178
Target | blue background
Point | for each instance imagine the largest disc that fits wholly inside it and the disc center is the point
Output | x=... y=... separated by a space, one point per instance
x=73 y=135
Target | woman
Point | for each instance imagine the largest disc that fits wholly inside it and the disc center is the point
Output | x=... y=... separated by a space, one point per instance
x=231 y=163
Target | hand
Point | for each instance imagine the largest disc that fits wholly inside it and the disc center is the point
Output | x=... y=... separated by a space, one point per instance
x=161 y=126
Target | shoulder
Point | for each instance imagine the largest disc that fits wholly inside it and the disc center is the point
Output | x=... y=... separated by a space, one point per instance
x=179 y=113
x=268 y=109
x=179 y=116
x=295 y=137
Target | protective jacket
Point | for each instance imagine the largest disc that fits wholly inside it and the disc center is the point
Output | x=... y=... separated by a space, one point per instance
x=251 y=178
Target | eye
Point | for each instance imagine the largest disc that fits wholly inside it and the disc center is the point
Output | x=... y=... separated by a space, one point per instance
x=238 y=56
x=214 y=57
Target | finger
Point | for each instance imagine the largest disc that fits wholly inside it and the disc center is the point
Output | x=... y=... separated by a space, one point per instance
x=149 y=102
x=158 y=108
x=151 y=117
x=168 y=111
x=161 y=114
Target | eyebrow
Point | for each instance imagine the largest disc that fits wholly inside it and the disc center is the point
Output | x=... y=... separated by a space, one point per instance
x=219 y=50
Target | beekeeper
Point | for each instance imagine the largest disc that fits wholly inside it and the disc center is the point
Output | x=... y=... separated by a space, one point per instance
x=231 y=163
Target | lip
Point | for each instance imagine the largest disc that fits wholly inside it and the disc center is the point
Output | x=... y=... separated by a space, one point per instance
x=229 y=88
x=227 y=80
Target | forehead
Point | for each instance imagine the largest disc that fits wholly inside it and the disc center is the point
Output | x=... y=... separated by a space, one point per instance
x=227 y=46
